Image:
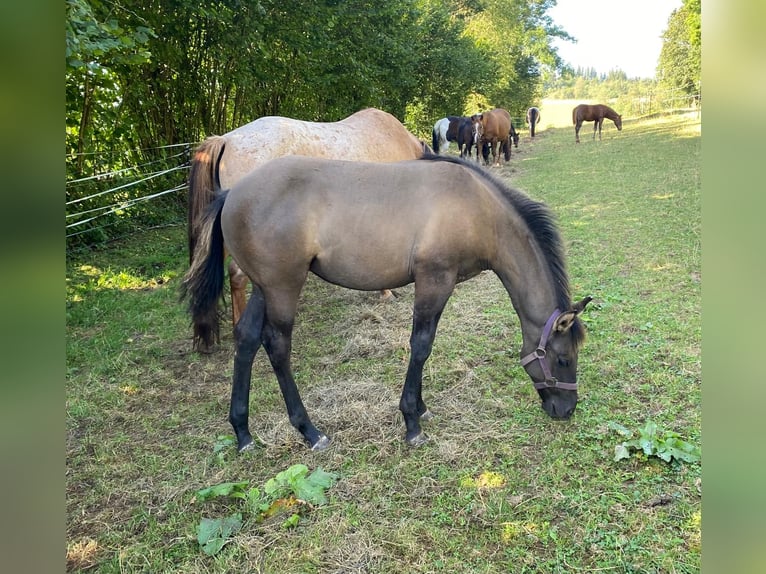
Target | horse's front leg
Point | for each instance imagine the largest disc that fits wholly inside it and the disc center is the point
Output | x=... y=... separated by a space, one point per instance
x=431 y=295
x=247 y=337
x=597 y=126
x=277 y=340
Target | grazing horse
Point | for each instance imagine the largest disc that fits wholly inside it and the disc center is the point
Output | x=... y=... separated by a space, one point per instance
x=466 y=137
x=395 y=225
x=221 y=161
x=533 y=118
x=445 y=130
x=513 y=136
x=594 y=113
x=493 y=127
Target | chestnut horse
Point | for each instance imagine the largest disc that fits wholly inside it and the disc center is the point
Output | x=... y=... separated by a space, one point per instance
x=221 y=161
x=493 y=128
x=513 y=136
x=594 y=113
x=533 y=118
x=394 y=226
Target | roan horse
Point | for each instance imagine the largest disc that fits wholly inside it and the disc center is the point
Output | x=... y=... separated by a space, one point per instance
x=533 y=118
x=594 y=113
x=493 y=127
x=395 y=225
x=446 y=130
x=221 y=161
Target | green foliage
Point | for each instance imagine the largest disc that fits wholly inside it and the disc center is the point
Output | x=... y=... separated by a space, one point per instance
x=290 y=491
x=651 y=441
x=214 y=533
x=296 y=481
x=680 y=61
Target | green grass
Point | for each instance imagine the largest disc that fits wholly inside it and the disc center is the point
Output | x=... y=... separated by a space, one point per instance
x=499 y=488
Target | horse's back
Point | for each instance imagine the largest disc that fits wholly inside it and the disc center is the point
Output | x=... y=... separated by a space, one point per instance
x=301 y=212
x=499 y=123
x=369 y=134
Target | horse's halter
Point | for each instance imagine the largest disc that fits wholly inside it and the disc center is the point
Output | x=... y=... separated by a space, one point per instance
x=539 y=354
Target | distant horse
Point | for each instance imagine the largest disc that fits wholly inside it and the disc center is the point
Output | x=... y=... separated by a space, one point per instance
x=221 y=161
x=445 y=130
x=493 y=127
x=513 y=136
x=594 y=113
x=395 y=225
x=466 y=138
x=533 y=118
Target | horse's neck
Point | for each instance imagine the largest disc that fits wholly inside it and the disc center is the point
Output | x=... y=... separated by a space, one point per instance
x=609 y=113
x=526 y=277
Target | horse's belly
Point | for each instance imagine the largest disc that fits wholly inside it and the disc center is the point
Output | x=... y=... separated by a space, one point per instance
x=360 y=265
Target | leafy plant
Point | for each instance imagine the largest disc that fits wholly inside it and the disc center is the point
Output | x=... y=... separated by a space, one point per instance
x=651 y=441
x=214 y=533
x=290 y=491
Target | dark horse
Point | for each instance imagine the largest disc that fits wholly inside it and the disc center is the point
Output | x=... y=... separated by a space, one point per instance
x=594 y=113
x=221 y=161
x=533 y=118
x=446 y=130
x=395 y=225
x=466 y=138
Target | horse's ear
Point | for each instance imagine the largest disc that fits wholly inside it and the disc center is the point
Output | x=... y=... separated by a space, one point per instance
x=566 y=319
x=579 y=307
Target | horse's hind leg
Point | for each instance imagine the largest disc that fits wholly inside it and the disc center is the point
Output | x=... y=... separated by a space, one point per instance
x=277 y=340
x=247 y=337
x=578 y=125
x=238 y=285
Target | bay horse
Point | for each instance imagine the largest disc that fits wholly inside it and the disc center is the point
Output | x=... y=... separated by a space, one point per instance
x=445 y=130
x=435 y=221
x=221 y=161
x=594 y=113
x=493 y=127
x=533 y=118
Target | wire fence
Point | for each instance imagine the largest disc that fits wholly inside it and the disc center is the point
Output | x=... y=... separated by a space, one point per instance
x=101 y=205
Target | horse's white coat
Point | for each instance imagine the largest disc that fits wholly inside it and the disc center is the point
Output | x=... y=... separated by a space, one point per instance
x=440 y=129
x=368 y=135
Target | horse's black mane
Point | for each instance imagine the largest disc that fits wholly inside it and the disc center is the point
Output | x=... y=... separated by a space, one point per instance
x=538 y=217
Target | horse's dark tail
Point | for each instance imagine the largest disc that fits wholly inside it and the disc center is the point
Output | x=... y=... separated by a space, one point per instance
x=534 y=118
x=203 y=185
x=203 y=283
x=435 y=140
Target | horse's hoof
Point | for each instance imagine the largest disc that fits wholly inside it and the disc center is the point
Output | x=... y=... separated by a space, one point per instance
x=248 y=446
x=418 y=440
x=321 y=444
x=427 y=416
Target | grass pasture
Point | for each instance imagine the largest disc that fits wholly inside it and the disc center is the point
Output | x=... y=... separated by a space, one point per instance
x=500 y=487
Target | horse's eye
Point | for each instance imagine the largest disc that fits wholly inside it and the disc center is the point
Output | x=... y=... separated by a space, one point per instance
x=562 y=361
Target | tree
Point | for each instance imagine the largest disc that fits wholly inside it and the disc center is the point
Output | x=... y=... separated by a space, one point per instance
x=679 y=64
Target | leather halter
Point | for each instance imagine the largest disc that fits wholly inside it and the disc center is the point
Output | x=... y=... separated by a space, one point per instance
x=539 y=354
